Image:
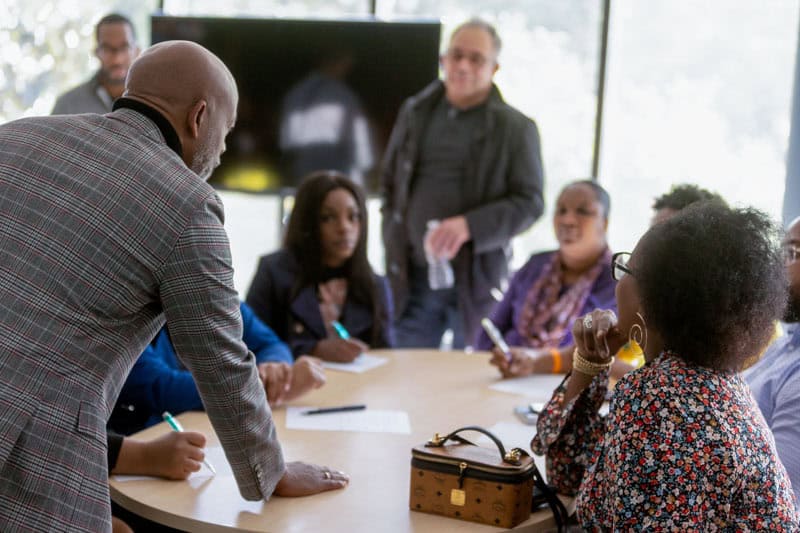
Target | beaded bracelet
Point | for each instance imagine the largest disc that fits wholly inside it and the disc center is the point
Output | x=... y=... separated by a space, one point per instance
x=587 y=367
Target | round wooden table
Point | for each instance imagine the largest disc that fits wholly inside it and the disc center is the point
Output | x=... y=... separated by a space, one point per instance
x=441 y=391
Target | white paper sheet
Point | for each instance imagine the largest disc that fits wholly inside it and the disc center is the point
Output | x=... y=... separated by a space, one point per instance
x=214 y=455
x=538 y=387
x=374 y=421
x=360 y=364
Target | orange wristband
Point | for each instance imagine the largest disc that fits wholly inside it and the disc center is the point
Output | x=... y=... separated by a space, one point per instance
x=556 y=360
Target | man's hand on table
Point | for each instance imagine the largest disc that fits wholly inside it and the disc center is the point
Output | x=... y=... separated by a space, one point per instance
x=304 y=479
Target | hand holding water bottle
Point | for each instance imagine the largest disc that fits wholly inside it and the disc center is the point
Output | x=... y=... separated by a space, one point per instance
x=447 y=236
x=440 y=271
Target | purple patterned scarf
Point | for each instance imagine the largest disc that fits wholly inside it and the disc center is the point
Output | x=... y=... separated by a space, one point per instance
x=547 y=313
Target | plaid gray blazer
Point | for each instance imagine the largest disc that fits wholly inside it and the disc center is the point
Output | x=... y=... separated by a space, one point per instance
x=104 y=233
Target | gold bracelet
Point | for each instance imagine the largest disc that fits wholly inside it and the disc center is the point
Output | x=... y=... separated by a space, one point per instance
x=580 y=364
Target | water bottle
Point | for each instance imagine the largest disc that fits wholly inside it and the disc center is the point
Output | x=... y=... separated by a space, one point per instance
x=440 y=272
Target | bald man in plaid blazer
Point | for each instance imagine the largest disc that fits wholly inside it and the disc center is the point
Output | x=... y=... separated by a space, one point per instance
x=105 y=231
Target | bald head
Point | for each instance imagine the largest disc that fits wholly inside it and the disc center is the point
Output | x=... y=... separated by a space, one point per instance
x=175 y=74
x=194 y=90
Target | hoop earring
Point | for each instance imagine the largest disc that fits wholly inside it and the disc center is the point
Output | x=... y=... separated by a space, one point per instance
x=637 y=334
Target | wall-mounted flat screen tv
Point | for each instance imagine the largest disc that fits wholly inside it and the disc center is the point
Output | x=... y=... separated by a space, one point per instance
x=313 y=94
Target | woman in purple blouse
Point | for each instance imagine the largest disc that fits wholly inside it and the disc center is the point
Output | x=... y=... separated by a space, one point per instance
x=553 y=288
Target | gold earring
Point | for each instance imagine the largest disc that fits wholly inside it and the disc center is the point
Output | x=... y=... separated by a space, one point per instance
x=632 y=352
x=638 y=335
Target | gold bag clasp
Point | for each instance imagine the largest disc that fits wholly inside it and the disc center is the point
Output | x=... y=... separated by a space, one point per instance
x=513 y=456
x=437 y=440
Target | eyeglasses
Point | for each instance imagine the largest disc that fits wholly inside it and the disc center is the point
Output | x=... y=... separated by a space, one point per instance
x=107 y=50
x=791 y=252
x=619 y=265
x=475 y=59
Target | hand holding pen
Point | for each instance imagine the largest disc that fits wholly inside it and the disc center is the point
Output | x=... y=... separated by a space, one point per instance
x=173 y=455
x=342 y=348
x=496 y=337
x=523 y=361
x=175 y=425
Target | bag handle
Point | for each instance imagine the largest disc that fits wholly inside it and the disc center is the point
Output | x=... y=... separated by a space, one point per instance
x=512 y=457
x=560 y=514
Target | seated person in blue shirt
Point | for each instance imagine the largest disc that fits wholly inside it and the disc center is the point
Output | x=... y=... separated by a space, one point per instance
x=159 y=382
x=322 y=276
x=775 y=378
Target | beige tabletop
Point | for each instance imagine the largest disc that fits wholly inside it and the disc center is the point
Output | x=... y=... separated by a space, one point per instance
x=440 y=391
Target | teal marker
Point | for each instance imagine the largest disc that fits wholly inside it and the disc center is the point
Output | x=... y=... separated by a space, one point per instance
x=169 y=419
x=340 y=330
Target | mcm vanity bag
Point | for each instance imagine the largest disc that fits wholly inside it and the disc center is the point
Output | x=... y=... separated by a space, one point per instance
x=453 y=477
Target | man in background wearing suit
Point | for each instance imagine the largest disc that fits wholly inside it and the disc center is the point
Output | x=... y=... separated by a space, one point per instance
x=116 y=50
x=459 y=154
x=107 y=228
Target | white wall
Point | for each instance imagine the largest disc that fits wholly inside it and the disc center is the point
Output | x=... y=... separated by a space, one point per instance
x=252 y=222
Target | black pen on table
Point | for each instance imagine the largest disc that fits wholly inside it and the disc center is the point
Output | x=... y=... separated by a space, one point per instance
x=340 y=409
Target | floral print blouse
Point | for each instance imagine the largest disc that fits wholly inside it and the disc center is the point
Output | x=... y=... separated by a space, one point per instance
x=682 y=448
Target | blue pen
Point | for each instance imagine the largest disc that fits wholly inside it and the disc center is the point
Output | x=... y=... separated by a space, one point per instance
x=168 y=418
x=340 y=330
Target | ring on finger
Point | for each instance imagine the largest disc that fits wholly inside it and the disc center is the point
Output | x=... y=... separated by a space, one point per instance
x=587 y=322
x=326 y=474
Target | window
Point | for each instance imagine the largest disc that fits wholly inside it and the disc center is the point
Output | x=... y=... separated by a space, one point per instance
x=267 y=8
x=47 y=47
x=696 y=92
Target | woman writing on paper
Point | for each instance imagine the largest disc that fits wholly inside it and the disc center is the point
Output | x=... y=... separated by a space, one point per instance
x=553 y=288
x=684 y=446
x=321 y=285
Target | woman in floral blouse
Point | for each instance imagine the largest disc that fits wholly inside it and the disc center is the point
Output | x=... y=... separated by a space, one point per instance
x=684 y=447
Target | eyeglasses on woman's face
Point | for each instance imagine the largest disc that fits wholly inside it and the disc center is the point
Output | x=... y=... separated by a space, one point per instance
x=619 y=265
x=790 y=252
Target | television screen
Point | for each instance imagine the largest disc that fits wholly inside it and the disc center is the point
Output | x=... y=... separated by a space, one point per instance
x=313 y=94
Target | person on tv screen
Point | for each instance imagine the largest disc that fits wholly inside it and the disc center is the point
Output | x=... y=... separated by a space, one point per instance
x=323 y=124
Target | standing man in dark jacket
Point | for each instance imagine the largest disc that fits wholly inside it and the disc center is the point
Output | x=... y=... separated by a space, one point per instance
x=461 y=155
